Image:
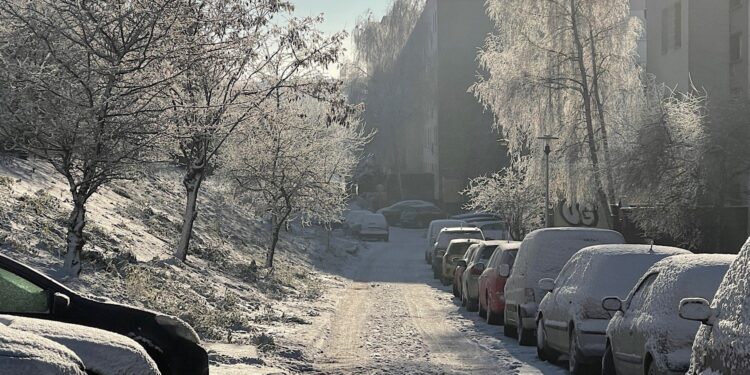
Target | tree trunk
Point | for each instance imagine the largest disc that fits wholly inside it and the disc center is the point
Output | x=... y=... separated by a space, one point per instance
x=192 y=182
x=76 y=222
x=274 y=240
x=588 y=112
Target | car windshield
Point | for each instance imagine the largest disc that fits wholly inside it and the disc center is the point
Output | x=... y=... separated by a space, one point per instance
x=446 y=237
x=486 y=252
x=458 y=248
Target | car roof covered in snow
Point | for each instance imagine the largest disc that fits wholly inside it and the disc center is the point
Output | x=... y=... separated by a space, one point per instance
x=460 y=229
x=25 y=353
x=683 y=276
x=503 y=244
x=623 y=249
x=544 y=252
x=102 y=352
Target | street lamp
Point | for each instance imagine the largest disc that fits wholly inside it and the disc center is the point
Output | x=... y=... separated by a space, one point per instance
x=547 y=138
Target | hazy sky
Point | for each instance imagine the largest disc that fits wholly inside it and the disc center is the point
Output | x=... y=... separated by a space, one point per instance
x=340 y=14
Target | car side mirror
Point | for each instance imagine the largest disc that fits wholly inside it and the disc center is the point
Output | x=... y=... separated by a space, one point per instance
x=60 y=303
x=612 y=304
x=547 y=285
x=697 y=309
x=503 y=270
x=480 y=267
x=461 y=263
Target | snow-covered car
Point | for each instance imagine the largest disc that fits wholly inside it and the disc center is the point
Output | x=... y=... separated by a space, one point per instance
x=393 y=212
x=492 y=283
x=722 y=345
x=26 y=353
x=171 y=343
x=571 y=318
x=460 y=268
x=455 y=252
x=542 y=254
x=434 y=229
x=474 y=268
x=646 y=334
x=102 y=352
x=352 y=220
x=493 y=230
x=419 y=216
x=476 y=216
x=444 y=238
x=373 y=226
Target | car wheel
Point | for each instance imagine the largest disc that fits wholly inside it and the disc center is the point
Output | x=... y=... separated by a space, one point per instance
x=652 y=370
x=490 y=317
x=525 y=336
x=472 y=306
x=575 y=364
x=455 y=291
x=543 y=351
x=463 y=301
x=608 y=361
x=508 y=329
x=482 y=311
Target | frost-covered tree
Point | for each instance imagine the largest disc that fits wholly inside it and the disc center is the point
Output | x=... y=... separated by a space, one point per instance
x=83 y=87
x=293 y=162
x=565 y=68
x=662 y=165
x=510 y=194
x=237 y=56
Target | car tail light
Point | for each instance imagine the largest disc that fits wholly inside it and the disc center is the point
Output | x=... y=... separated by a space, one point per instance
x=529 y=294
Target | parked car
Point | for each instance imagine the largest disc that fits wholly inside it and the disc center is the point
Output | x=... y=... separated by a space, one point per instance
x=171 y=343
x=26 y=353
x=571 y=318
x=373 y=226
x=722 y=345
x=434 y=229
x=352 y=220
x=392 y=213
x=646 y=334
x=455 y=252
x=460 y=268
x=492 y=283
x=102 y=352
x=493 y=230
x=419 y=216
x=476 y=215
x=474 y=268
x=542 y=254
x=444 y=238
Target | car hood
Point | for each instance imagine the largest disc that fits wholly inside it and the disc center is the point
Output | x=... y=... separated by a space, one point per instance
x=103 y=352
x=24 y=353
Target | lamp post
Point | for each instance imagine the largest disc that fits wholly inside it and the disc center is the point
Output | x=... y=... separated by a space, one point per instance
x=547 y=150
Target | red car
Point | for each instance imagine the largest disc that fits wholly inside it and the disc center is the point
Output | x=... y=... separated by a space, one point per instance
x=460 y=267
x=492 y=284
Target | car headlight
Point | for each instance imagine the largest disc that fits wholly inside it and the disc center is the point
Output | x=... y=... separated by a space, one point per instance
x=179 y=328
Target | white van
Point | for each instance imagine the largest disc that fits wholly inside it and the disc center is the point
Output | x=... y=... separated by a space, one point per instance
x=542 y=255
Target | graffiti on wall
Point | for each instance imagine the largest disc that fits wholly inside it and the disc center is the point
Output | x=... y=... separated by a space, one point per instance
x=576 y=215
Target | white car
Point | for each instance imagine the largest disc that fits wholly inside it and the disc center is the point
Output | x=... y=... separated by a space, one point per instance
x=434 y=229
x=102 y=352
x=571 y=318
x=26 y=353
x=543 y=254
x=646 y=334
x=373 y=226
x=353 y=218
x=722 y=345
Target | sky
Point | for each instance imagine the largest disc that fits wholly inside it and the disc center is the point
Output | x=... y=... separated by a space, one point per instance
x=340 y=15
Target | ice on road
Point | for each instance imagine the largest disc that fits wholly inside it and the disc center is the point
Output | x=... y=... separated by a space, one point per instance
x=395 y=318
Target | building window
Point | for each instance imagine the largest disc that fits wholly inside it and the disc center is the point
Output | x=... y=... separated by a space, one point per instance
x=671 y=28
x=735 y=47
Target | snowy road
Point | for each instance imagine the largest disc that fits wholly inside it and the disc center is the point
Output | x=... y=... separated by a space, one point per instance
x=394 y=318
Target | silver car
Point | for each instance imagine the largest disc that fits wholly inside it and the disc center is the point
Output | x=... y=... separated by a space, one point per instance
x=646 y=334
x=474 y=268
x=571 y=318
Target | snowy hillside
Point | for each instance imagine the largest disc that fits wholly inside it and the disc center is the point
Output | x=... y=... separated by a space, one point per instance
x=133 y=227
